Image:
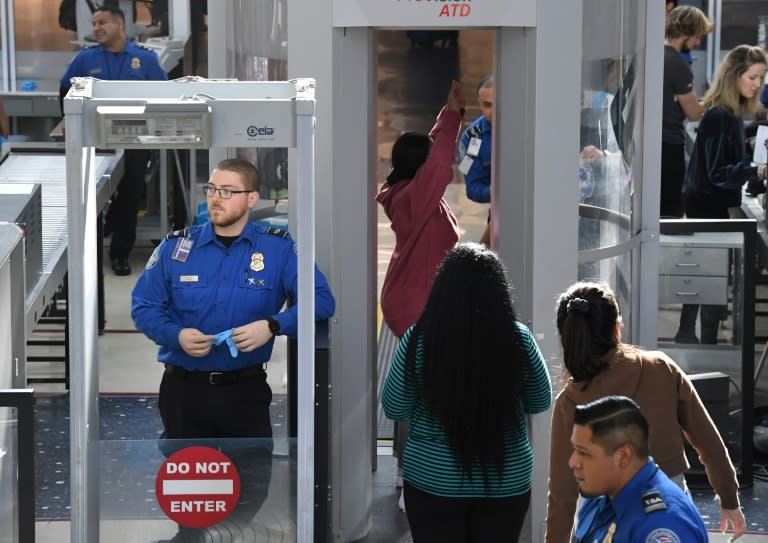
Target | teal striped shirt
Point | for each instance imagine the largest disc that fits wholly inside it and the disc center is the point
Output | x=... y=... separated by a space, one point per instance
x=428 y=461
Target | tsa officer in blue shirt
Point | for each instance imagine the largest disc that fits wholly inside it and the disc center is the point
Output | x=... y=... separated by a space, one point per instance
x=475 y=147
x=628 y=499
x=211 y=297
x=475 y=152
x=116 y=58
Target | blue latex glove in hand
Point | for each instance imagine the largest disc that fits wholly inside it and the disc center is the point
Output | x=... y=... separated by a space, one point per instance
x=226 y=335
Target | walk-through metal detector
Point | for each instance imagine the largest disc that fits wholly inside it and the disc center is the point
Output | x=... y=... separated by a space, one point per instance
x=188 y=113
x=537 y=57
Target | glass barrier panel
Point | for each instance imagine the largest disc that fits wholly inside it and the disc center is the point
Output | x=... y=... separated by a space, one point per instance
x=170 y=490
x=42 y=37
x=616 y=272
x=9 y=499
x=702 y=325
x=741 y=23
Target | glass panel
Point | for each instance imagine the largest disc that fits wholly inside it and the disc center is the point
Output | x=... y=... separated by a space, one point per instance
x=9 y=498
x=43 y=45
x=258 y=51
x=740 y=22
x=610 y=143
x=617 y=273
x=129 y=506
x=701 y=324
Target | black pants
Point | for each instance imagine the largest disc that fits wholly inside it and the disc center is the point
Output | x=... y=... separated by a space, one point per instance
x=672 y=174
x=193 y=412
x=464 y=520
x=123 y=211
x=195 y=409
x=711 y=315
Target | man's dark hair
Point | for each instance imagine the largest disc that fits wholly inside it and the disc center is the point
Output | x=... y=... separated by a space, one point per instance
x=247 y=171
x=487 y=81
x=615 y=420
x=114 y=10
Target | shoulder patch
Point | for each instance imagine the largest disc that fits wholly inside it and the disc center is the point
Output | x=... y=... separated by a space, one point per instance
x=662 y=535
x=177 y=234
x=278 y=232
x=652 y=501
x=153 y=259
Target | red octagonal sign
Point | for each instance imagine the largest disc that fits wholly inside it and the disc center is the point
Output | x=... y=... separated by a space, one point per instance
x=197 y=487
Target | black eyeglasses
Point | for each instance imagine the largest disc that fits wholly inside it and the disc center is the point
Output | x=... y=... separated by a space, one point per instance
x=224 y=194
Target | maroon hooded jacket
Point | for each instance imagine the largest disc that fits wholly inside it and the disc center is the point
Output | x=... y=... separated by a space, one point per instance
x=425 y=227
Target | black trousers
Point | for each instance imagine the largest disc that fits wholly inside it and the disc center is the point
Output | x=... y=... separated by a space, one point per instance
x=196 y=409
x=464 y=520
x=123 y=211
x=672 y=174
x=711 y=315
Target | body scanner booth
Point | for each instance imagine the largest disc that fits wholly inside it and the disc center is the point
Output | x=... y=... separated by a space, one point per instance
x=549 y=60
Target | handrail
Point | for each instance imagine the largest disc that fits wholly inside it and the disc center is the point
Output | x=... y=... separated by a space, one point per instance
x=22 y=400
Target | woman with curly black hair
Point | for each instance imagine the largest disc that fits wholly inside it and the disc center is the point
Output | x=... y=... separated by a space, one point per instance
x=465 y=375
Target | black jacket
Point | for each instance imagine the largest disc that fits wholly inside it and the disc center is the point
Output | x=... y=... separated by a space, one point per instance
x=720 y=163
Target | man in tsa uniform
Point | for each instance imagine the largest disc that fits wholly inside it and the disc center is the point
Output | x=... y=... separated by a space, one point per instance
x=211 y=297
x=475 y=151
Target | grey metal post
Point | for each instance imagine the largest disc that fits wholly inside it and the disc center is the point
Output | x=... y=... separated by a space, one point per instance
x=305 y=227
x=645 y=297
x=352 y=144
x=82 y=306
x=536 y=118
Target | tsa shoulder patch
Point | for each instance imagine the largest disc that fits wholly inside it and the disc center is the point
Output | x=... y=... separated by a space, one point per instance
x=652 y=501
x=154 y=258
x=662 y=535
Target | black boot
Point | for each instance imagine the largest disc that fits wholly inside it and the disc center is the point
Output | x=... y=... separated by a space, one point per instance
x=710 y=323
x=686 y=332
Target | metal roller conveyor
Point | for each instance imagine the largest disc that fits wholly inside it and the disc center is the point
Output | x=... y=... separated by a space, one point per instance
x=44 y=163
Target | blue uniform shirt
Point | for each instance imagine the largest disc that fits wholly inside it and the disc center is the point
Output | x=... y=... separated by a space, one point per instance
x=220 y=288
x=764 y=96
x=478 y=178
x=133 y=63
x=649 y=509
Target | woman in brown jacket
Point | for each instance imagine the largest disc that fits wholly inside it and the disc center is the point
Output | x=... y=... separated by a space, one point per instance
x=598 y=365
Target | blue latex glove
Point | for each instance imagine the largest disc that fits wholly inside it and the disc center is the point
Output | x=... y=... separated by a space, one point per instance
x=226 y=335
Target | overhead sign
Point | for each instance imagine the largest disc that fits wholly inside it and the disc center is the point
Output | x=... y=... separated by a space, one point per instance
x=197 y=487
x=424 y=14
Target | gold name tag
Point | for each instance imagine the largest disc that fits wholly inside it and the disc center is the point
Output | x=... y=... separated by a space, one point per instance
x=188 y=278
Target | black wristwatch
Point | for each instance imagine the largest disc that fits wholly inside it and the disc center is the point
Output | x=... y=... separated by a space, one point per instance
x=274 y=326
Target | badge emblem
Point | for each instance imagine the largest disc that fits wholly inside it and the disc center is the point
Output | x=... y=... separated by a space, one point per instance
x=135 y=63
x=182 y=249
x=257 y=262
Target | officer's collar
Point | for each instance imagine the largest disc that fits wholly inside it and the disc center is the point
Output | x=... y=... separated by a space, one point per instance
x=624 y=500
x=208 y=235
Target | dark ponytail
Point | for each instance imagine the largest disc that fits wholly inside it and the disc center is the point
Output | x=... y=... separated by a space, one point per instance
x=587 y=314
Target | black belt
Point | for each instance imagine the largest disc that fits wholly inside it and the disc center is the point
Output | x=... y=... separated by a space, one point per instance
x=216 y=377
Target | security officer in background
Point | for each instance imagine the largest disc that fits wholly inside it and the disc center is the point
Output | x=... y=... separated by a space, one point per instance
x=628 y=499
x=475 y=151
x=210 y=296
x=116 y=58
